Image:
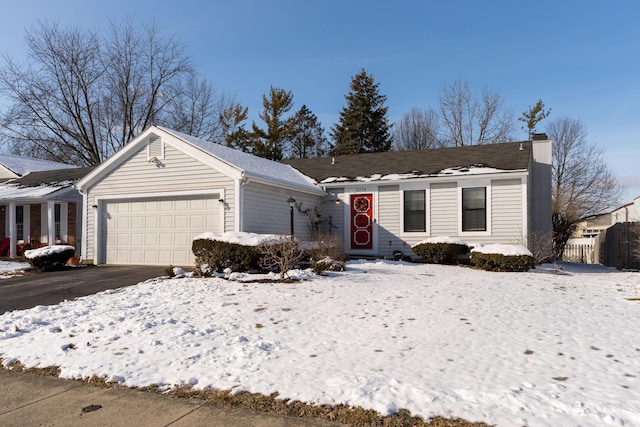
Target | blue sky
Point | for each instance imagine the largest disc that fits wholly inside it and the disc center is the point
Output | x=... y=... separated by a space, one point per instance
x=580 y=57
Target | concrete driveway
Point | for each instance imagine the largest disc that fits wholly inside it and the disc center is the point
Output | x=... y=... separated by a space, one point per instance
x=33 y=289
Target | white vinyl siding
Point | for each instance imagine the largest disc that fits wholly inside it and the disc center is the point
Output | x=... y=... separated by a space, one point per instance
x=444 y=209
x=266 y=210
x=506 y=211
x=389 y=220
x=177 y=173
x=333 y=207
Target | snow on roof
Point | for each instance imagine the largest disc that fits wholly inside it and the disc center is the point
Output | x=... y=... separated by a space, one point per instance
x=22 y=165
x=252 y=165
x=459 y=171
x=9 y=191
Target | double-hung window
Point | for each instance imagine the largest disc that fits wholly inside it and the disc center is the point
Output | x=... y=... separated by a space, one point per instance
x=474 y=209
x=20 y=223
x=415 y=219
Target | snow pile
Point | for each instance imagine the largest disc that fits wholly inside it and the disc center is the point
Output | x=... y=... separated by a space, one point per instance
x=10 y=268
x=441 y=239
x=47 y=250
x=503 y=249
x=240 y=238
x=536 y=348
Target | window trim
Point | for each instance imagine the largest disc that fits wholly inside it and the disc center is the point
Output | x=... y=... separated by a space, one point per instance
x=486 y=184
x=424 y=186
x=405 y=211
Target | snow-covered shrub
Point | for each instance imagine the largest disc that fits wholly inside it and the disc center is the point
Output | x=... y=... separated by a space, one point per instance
x=327 y=264
x=441 y=250
x=282 y=252
x=502 y=258
x=50 y=258
x=216 y=256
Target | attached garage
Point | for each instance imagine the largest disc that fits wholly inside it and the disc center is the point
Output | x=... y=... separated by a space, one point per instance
x=157 y=231
x=146 y=203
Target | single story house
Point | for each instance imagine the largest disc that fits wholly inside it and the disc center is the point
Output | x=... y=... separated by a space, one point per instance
x=147 y=202
x=385 y=202
x=38 y=204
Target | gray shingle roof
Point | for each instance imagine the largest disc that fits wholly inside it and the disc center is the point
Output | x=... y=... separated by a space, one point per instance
x=504 y=156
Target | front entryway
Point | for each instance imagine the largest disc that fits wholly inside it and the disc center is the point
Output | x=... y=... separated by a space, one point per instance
x=361 y=222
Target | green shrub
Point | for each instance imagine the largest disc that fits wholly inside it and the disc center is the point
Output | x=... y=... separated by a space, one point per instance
x=50 y=260
x=500 y=262
x=216 y=256
x=440 y=253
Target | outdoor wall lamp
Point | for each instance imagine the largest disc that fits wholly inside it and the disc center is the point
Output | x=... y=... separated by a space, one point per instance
x=292 y=202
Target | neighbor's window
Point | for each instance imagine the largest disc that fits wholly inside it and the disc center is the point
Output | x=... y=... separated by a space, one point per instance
x=414 y=211
x=474 y=209
x=20 y=223
x=56 y=220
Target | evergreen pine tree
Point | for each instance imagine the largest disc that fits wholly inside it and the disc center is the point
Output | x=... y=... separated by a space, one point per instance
x=363 y=126
x=307 y=135
x=269 y=143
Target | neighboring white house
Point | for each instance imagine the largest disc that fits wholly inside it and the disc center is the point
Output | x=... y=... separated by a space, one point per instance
x=146 y=203
x=37 y=203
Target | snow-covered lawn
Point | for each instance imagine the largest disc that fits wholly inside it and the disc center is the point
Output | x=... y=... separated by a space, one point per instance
x=544 y=348
x=12 y=268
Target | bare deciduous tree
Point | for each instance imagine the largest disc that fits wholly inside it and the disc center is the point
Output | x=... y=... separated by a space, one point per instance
x=196 y=109
x=469 y=119
x=583 y=184
x=79 y=97
x=417 y=130
x=284 y=252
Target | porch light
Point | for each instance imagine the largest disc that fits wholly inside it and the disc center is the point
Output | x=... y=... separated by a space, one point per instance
x=292 y=202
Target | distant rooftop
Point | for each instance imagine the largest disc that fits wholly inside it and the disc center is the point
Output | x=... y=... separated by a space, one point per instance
x=22 y=165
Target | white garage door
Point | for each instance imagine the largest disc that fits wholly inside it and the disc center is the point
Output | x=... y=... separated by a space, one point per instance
x=158 y=231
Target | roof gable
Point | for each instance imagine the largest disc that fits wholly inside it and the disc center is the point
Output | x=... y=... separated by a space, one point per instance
x=248 y=163
x=233 y=163
x=475 y=159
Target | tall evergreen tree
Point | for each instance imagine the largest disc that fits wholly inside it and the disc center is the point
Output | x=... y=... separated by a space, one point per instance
x=234 y=133
x=363 y=126
x=269 y=143
x=307 y=135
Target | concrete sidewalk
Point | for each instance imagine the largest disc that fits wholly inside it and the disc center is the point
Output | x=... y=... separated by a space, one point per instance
x=33 y=400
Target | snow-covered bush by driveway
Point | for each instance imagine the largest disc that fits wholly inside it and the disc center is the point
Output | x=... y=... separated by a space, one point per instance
x=499 y=257
x=50 y=258
x=441 y=250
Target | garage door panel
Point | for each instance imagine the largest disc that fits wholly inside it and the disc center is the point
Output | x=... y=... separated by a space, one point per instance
x=166 y=222
x=158 y=231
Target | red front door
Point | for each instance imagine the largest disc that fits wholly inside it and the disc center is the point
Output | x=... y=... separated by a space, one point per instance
x=362 y=221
